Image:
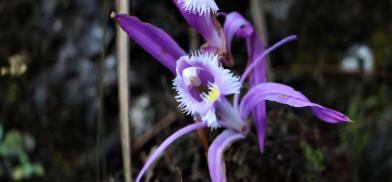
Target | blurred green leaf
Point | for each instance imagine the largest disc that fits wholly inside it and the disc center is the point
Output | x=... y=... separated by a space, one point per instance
x=17 y=144
x=314 y=157
x=18 y=173
x=13 y=143
x=28 y=170
x=23 y=158
x=1 y=133
x=38 y=169
x=314 y=161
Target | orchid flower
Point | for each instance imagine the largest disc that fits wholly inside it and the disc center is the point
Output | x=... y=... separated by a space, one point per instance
x=202 y=84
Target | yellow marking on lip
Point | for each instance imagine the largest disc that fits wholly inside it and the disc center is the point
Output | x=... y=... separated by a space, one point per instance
x=213 y=95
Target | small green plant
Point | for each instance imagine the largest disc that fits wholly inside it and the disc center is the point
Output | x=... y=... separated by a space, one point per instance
x=314 y=161
x=15 y=144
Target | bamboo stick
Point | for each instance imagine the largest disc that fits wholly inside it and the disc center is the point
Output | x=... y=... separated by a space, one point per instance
x=258 y=16
x=122 y=48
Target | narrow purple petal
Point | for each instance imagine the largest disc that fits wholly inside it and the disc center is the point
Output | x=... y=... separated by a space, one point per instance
x=236 y=24
x=287 y=95
x=158 y=152
x=258 y=75
x=216 y=164
x=205 y=25
x=265 y=53
x=153 y=39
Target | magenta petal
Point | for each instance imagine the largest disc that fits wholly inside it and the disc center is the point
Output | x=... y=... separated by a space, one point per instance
x=204 y=25
x=153 y=39
x=287 y=95
x=216 y=164
x=158 y=152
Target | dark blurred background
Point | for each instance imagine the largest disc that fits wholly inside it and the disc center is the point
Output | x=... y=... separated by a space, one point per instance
x=58 y=64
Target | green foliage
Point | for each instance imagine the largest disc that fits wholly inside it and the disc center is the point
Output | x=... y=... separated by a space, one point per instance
x=355 y=136
x=27 y=169
x=314 y=162
x=14 y=145
x=1 y=133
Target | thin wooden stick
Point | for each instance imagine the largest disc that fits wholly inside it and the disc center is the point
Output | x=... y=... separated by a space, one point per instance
x=122 y=6
x=258 y=16
x=153 y=131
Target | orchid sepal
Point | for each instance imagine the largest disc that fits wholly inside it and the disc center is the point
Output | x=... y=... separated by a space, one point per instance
x=216 y=151
x=160 y=150
x=286 y=95
x=153 y=39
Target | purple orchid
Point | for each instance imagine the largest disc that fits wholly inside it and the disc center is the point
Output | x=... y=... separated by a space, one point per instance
x=202 y=83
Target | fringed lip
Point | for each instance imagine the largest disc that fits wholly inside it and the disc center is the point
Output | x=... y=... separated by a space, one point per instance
x=200 y=83
x=199 y=7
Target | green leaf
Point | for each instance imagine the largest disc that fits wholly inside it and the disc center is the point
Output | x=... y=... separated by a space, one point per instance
x=38 y=169
x=1 y=133
x=313 y=156
x=17 y=173
x=4 y=150
x=13 y=143
x=28 y=170
x=24 y=158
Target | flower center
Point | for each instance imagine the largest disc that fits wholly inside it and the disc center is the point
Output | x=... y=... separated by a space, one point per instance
x=200 y=84
x=213 y=94
x=191 y=76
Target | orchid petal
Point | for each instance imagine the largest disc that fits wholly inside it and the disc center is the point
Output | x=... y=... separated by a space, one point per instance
x=158 y=152
x=286 y=95
x=236 y=24
x=206 y=25
x=261 y=57
x=258 y=75
x=153 y=39
x=216 y=163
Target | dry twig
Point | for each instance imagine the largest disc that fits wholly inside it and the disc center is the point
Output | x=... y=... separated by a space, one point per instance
x=150 y=133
